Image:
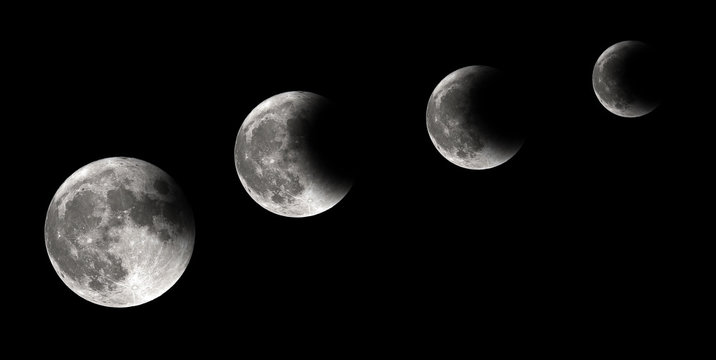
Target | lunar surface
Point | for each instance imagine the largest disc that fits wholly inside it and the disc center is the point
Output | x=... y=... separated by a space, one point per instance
x=284 y=157
x=626 y=79
x=119 y=232
x=468 y=119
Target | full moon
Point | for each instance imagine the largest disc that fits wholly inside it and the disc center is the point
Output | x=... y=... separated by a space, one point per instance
x=468 y=119
x=626 y=79
x=119 y=232
x=288 y=157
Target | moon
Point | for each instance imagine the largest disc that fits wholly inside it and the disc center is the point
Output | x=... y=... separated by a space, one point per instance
x=119 y=232
x=468 y=121
x=288 y=156
x=626 y=79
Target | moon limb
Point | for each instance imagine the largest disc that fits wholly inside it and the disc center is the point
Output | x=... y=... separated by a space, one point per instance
x=119 y=233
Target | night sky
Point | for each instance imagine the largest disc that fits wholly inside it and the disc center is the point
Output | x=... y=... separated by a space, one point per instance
x=580 y=231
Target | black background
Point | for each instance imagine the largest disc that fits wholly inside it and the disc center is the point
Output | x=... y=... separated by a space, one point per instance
x=575 y=242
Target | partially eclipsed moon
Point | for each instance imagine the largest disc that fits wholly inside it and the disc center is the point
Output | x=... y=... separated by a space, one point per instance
x=282 y=159
x=626 y=79
x=119 y=232
x=469 y=121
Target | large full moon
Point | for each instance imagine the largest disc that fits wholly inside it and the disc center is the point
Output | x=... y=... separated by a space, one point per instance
x=288 y=158
x=469 y=121
x=626 y=79
x=119 y=232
